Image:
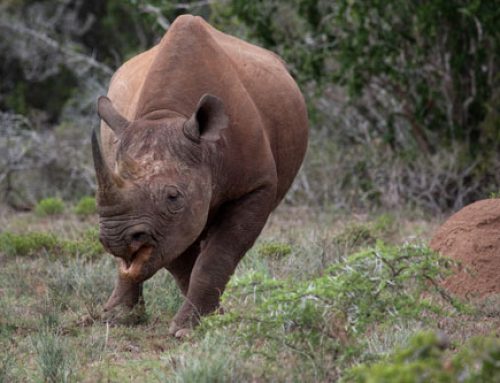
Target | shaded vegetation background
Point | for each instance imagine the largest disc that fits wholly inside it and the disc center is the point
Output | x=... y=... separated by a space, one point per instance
x=403 y=96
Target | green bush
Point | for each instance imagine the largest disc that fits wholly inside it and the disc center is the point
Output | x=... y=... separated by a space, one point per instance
x=34 y=243
x=274 y=249
x=27 y=244
x=49 y=206
x=426 y=359
x=86 y=206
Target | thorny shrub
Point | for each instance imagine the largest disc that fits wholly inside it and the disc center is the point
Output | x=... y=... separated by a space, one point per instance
x=379 y=286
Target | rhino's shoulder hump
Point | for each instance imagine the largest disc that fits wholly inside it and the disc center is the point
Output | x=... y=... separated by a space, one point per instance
x=187 y=27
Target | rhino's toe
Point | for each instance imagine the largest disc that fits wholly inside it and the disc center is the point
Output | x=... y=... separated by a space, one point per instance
x=183 y=333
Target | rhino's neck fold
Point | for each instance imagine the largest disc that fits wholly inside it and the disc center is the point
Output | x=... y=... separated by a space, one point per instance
x=162 y=114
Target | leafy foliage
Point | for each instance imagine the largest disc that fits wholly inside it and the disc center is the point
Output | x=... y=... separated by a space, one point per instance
x=402 y=97
x=406 y=50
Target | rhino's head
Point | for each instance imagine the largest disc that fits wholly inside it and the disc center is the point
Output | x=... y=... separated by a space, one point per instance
x=154 y=200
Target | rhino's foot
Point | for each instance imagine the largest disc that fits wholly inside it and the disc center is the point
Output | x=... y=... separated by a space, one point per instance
x=181 y=329
x=123 y=315
x=183 y=333
x=86 y=320
x=118 y=315
x=185 y=321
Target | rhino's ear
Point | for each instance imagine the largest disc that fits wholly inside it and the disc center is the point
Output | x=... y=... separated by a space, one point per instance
x=208 y=120
x=111 y=116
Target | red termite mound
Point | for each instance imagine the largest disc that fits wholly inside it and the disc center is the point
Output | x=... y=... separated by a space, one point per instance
x=472 y=236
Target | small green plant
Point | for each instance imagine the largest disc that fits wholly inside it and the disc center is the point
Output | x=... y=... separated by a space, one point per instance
x=86 y=206
x=214 y=360
x=494 y=195
x=384 y=224
x=52 y=357
x=53 y=353
x=274 y=249
x=49 y=206
x=425 y=359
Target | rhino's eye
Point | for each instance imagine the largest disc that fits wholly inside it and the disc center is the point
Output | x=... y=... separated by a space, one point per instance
x=174 y=200
x=173 y=197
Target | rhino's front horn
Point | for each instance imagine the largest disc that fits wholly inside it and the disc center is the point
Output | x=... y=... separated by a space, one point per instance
x=107 y=182
x=111 y=116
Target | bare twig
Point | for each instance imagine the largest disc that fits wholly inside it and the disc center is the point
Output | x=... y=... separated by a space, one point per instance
x=72 y=56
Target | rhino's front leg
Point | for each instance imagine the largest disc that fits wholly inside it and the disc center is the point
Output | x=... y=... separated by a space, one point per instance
x=232 y=233
x=126 y=303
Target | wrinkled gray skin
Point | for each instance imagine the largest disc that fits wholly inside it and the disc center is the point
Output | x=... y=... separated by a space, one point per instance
x=201 y=138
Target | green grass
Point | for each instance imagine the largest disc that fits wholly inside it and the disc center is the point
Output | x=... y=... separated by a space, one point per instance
x=316 y=300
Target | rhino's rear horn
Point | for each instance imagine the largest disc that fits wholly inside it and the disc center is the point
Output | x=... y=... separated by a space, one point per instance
x=107 y=182
x=111 y=116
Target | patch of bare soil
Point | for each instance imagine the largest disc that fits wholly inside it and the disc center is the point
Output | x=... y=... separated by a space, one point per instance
x=472 y=237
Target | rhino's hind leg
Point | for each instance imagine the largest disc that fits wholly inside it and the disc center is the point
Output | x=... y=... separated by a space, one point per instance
x=126 y=303
x=230 y=235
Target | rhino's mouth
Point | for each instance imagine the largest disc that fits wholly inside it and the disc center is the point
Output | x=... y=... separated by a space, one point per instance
x=135 y=268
